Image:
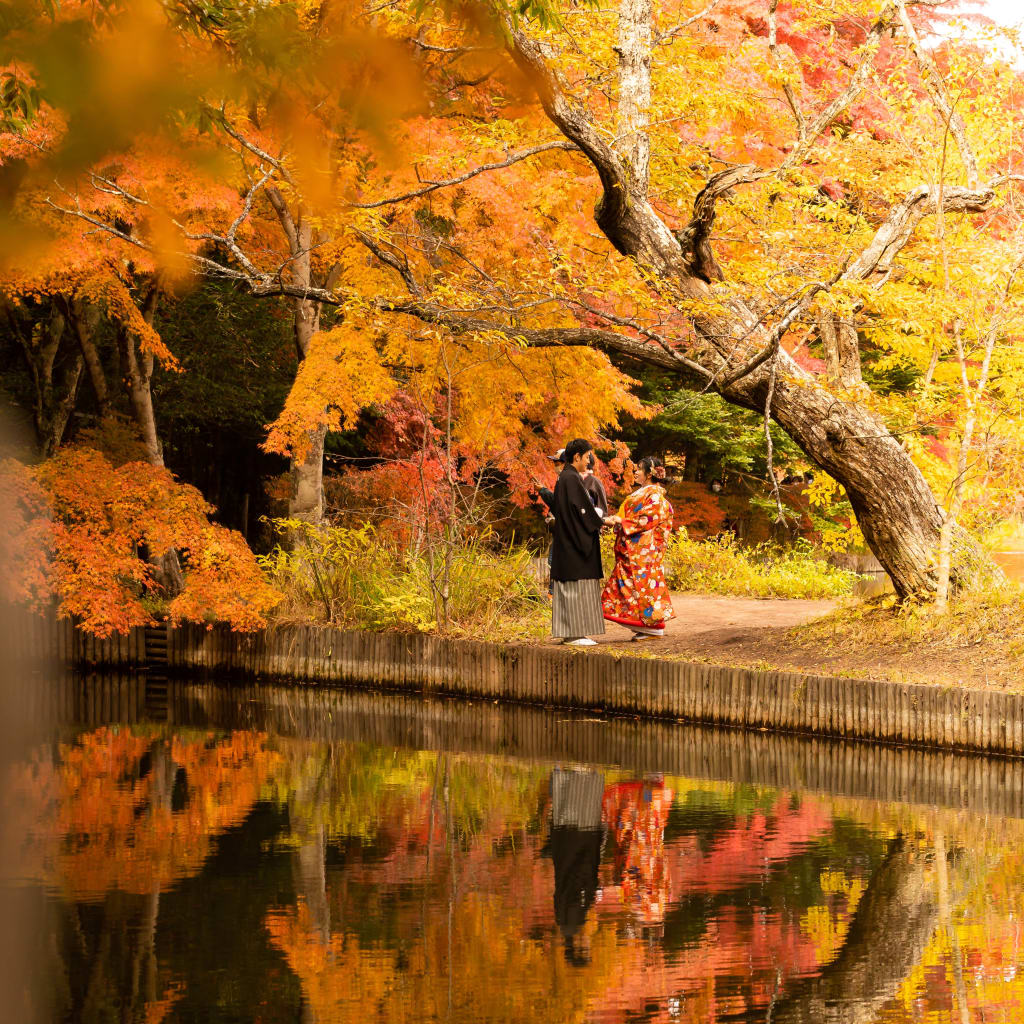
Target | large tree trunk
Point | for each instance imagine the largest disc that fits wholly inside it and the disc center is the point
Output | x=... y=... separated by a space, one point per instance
x=306 y=498
x=731 y=346
x=894 y=506
x=137 y=367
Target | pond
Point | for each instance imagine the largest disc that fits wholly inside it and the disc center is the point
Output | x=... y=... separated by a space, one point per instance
x=201 y=853
x=874 y=581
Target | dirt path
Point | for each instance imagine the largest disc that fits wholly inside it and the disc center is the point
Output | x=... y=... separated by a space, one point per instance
x=727 y=630
x=721 y=621
x=751 y=633
x=734 y=629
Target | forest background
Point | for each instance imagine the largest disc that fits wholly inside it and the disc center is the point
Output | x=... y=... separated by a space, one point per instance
x=330 y=282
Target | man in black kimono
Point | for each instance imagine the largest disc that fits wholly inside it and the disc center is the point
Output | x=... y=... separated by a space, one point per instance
x=576 y=569
x=590 y=481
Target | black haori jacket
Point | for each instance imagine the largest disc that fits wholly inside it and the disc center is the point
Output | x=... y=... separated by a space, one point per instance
x=576 y=547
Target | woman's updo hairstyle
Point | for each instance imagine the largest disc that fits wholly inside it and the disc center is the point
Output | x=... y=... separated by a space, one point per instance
x=653 y=468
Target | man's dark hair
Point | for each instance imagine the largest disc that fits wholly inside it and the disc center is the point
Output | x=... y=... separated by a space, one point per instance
x=576 y=447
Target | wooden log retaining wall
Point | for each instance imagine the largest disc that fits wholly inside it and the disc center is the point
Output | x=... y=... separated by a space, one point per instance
x=950 y=717
x=963 y=782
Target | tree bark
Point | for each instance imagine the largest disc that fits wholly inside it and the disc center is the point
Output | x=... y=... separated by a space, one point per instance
x=634 y=50
x=307 y=476
x=894 y=506
x=56 y=391
x=306 y=497
x=842 y=349
x=138 y=367
x=84 y=319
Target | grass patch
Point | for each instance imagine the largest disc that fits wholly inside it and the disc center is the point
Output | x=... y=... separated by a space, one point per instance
x=721 y=566
x=990 y=619
x=351 y=577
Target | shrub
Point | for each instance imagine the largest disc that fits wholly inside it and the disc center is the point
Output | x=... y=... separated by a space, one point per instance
x=358 y=578
x=75 y=528
x=721 y=566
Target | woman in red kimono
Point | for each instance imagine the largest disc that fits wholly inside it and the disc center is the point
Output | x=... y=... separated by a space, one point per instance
x=636 y=595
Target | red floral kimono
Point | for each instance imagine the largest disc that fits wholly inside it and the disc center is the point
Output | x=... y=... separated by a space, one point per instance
x=635 y=594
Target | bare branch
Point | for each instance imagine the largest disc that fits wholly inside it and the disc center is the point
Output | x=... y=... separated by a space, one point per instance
x=623 y=213
x=568 y=115
x=769 y=447
x=903 y=218
x=670 y=34
x=401 y=267
x=773 y=47
x=695 y=237
x=459 y=179
x=264 y=156
x=775 y=336
x=228 y=239
x=548 y=337
x=659 y=339
x=828 y=114
x=447 y=50
x=247 y=205
x=284 y=215
x=112 y=188
x=110 y=229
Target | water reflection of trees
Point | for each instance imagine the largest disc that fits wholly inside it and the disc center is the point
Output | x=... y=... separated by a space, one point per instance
x=109 y=822
x=473 y=914
x=425 y=886
x=130 y=809
x=770 y=906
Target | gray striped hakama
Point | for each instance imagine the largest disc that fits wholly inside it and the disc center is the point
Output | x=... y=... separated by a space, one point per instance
x=576 y=608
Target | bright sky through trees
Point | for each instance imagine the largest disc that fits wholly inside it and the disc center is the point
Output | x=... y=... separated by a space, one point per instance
x=1004 y=12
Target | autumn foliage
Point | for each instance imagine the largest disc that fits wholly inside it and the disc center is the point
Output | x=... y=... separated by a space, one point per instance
x=497 y=213
x=85 y=527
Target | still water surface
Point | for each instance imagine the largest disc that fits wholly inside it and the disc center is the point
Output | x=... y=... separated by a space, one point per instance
x=193 y=867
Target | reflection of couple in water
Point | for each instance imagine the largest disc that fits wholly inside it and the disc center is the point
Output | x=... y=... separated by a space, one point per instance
x=583 y=812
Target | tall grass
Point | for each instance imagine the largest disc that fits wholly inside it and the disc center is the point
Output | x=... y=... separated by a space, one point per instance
x=721 y=566
x=355 y=578
x=986 y=620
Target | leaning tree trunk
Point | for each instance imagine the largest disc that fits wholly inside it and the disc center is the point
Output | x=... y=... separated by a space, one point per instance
x=894 y=506
x=736 y=352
